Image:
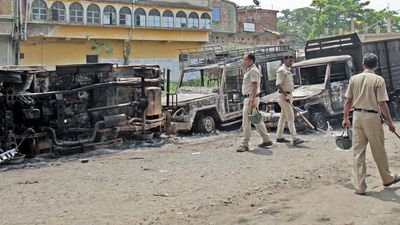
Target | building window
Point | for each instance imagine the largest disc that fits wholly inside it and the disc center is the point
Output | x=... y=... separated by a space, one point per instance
x=57 y=11
x=39 y=10
x=125 y=16
x=109 y=15
x=140 y=17
x=92 y=58
x=180 y=21
x=168 y=19
x=205 y=21
x=193 y=22
x=216 y=14
x=93 y=14
x=154 y=18
x=75 y=13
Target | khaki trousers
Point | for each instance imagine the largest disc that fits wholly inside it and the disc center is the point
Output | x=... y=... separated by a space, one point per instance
x=367 y=128
x=261 y=129
x=287 y=116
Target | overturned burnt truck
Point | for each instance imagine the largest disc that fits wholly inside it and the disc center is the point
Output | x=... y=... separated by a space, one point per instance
x=76 y=107
x=322 y=79
x=208 y=93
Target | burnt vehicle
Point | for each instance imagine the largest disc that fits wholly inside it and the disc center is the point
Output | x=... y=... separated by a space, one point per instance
x=319 y=92
x=209 y=94
x=76 y=107
x=322 y=79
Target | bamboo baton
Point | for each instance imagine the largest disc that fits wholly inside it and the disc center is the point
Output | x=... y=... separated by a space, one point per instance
x=384 y=120
x=303 y=117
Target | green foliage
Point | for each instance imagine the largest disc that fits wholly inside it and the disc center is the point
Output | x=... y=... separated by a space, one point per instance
x=127 y=52
x=296 y=24
x=335 y=15
x=101 y=46
x=196 y=82
x=310 y=22
x=173 y=86
x=232 y=46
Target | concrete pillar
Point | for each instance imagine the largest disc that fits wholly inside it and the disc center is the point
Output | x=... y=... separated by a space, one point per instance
x=377 y=29
x=353 y=25
x=389 y=24
x=326 y=31
x=365 y=29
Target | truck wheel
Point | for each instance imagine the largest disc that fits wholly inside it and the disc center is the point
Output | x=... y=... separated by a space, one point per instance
x=206 y=125
x=319 y=121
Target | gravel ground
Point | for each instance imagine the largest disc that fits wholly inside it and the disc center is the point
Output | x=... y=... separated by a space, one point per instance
x=202 y=180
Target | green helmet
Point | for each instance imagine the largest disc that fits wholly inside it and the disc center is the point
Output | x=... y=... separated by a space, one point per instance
x=344 y=141
x=255 y=117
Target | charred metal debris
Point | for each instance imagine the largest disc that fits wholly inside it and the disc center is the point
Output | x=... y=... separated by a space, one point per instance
x=76 y=107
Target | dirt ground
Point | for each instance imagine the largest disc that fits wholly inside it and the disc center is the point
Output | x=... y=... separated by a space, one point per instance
x=202 y=180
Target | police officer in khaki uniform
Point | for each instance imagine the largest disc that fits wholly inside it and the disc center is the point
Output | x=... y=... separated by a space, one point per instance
x=251 y=90
x=367 y=95
x=285 y=85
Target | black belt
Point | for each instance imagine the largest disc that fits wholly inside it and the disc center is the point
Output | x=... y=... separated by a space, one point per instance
x=287 y=92
x=365 y=110
x=248 y=96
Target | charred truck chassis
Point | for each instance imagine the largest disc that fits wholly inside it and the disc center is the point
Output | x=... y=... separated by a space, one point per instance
x=208 y=94
x=76 y=107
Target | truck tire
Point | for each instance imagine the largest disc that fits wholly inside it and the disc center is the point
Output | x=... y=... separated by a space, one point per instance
x=206 y=125
x=319 y=121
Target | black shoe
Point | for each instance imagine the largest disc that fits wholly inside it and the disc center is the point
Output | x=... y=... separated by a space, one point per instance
x=282 y=140
x=265 y=144
x=298 y=141
x=242 y=149
x=359 y=193
x=396 y=180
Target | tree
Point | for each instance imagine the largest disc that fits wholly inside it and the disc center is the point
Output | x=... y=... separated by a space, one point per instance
x=373 y=18
x=335 y=15
x=307 y=23
x=296 y=24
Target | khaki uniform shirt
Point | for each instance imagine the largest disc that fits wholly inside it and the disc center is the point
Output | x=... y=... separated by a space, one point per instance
x=367 y=89
x=285 y=78
x=252 y=75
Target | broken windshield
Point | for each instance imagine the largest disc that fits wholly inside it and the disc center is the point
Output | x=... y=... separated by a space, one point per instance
x=316 y=74
x=204 y=81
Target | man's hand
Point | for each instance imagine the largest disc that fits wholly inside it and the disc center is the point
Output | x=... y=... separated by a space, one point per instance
x=346 y=123
x=287 y=99
x=252 y=103
x=392 y=128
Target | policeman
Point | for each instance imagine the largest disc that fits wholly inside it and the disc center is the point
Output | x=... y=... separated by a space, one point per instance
x=285 y=86
x=367 y=95
x=251 y=90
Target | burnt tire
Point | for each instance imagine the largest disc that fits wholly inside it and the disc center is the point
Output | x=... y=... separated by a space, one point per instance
x=319 y=121
x=206 y=125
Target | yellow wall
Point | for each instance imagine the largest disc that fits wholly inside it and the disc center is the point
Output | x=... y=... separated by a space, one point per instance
x=120 y=33
x=51 y=52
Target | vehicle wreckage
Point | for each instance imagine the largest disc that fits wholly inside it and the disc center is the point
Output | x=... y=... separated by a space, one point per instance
x=322 y=78
x=76 y=107
x=209 y=92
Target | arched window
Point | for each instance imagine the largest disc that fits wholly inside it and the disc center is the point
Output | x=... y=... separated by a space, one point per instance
x=57 y=10
x=180 y=20
x=205 y=21
x=154 y=18
x=193 y=22
x=125 y=16
x=109 y=15
x=93 y=14
x=75 y=13
x=140 y=17
x=39 y=10
x=168 y=19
